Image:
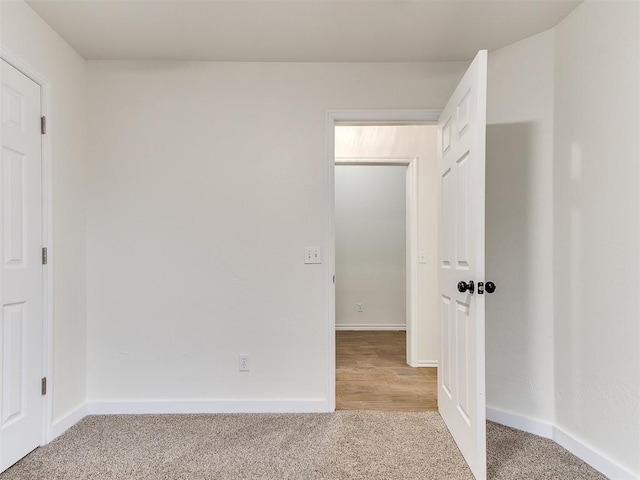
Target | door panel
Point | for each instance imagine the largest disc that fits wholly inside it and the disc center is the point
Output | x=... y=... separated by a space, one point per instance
x=21 y=422
x=461 y=163
x=444 y=371
x=13 y=334
x=14 y=198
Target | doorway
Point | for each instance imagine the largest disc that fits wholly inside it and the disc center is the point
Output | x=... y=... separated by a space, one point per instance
x=386 y=307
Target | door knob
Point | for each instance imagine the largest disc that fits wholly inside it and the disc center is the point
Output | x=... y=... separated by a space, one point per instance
x=464 y=286
x=488 y=287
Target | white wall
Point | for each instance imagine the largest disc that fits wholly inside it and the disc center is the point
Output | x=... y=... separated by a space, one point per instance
x=25 y=34
x=410 y=141
x=596 y=222
x=563 y=211
x=370 y=226
x=206 y=182
x=519 y=227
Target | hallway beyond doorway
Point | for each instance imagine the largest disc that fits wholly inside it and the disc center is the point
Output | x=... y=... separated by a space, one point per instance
x=372 y=374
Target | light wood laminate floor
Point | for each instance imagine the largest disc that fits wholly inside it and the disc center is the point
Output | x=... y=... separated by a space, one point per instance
x=372 y=374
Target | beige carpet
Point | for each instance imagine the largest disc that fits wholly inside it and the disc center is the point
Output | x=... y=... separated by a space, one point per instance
x=342 y=445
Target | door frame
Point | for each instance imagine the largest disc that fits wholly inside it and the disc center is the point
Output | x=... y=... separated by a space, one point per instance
x=27 y=69
x=334 y=118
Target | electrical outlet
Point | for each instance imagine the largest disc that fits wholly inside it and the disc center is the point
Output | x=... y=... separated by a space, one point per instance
x=243 y=364
x=360 y=307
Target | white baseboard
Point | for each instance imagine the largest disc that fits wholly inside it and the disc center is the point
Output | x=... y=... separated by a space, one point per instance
x=520 y=422
x=69 y=420
x=597 y=460
x=209 y=406
x=587 y=454
x=358 y=327
x=426 y=363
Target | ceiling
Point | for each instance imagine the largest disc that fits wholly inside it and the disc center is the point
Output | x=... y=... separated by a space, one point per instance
x=297 y=30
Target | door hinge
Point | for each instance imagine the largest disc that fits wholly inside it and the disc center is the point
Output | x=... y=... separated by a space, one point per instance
x=44 y=255
x=43 y=125
x=44 y=386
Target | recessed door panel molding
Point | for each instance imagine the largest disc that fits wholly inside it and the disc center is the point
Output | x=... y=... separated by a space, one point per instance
x=13 y=104
x=462 y=360
x=462 y=212
x=14 y=193
x=461 y=387
x=446 y=229
x=21 y=282
x=462 y=112
x=13 y=362
x=446 y=135
x=446 y=339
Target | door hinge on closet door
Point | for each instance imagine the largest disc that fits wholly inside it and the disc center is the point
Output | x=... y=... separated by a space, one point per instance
x=43 y=387
x=43 y=125
x=44 y=255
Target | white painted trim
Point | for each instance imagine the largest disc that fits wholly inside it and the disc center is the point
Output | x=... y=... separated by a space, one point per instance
x=25 y=67
x=378 y=161
x=577 y=447
x=590 y=455
x=330 y=241
x=370 y=327
x=353 y=117
x=426 y=363
x=207 y=406
x=412 y=261
x=46 y=108
x=69 y=420
x=520 y=422
x=385 y=117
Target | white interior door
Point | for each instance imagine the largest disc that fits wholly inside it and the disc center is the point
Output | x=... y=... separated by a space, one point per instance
x=22 y=405
x=461 y=163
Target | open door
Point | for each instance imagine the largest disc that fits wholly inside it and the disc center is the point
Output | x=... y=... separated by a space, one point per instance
x=21 y=326
x=461 y=163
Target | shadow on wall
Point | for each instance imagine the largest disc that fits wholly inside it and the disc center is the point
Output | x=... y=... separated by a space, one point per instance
x=513 y=329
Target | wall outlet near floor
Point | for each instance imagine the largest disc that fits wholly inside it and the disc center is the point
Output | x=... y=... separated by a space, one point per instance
x=243 y=363
x=360 y=307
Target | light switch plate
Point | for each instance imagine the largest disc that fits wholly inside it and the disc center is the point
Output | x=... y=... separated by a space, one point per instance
x=312 y=255
x=423 y=256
